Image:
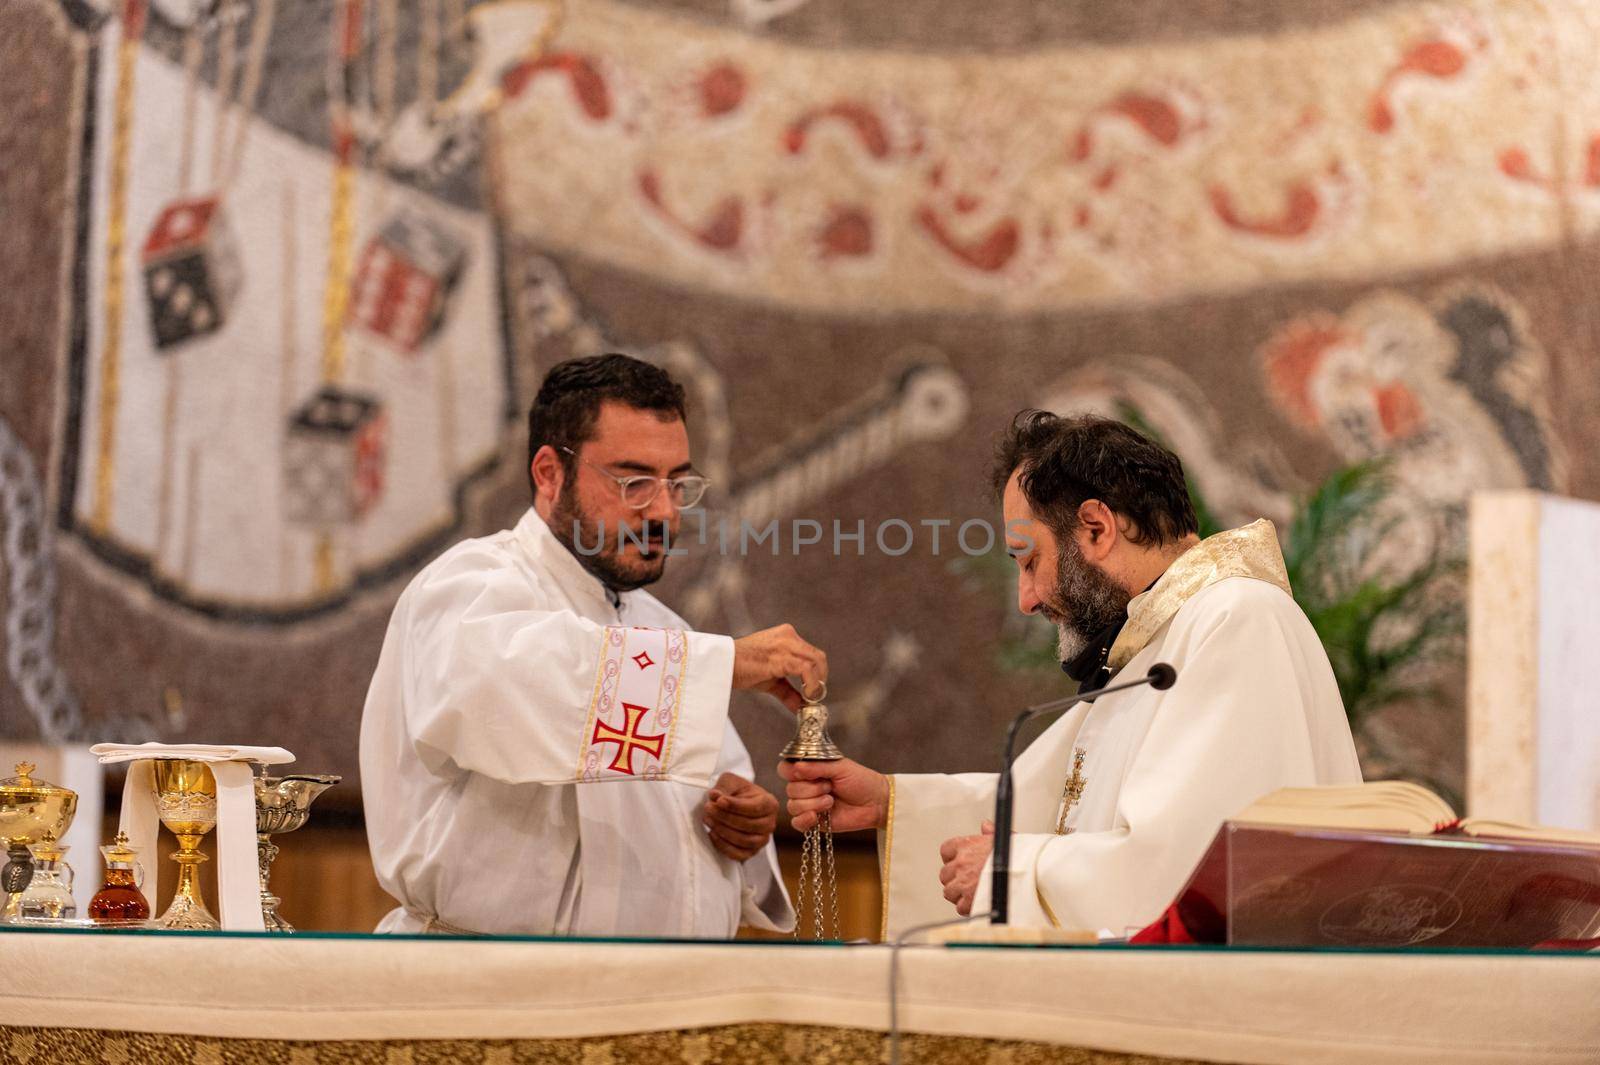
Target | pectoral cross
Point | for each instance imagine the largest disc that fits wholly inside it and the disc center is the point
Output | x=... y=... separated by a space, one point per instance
x=1072 y=791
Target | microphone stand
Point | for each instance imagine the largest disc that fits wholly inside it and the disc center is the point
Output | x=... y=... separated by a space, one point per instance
x=1160 y=677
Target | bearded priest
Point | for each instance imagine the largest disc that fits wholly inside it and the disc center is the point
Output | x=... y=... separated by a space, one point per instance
x=1118 y=798
x=545 y=747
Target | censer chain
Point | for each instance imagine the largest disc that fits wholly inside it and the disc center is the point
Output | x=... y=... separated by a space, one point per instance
x=826 y=827
x=823 y=913
x=804 y=885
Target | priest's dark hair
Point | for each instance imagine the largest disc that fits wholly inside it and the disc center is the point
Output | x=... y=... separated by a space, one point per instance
x=1067 y=460
x=568 y=404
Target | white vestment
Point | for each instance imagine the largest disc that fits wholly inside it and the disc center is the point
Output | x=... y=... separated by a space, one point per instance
x=1255 y=708
x=534 y=760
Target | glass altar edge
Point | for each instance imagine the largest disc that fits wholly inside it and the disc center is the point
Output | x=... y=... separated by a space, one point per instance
x=789 y=944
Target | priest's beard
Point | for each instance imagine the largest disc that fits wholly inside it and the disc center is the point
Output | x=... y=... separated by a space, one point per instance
x=618 y=571
x=1086 y=602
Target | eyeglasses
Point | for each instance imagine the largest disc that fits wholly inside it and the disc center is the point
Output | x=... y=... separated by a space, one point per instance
x=639 y=491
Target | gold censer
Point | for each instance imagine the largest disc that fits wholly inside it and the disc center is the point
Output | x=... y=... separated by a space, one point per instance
x=186 y=802
x=818 y=875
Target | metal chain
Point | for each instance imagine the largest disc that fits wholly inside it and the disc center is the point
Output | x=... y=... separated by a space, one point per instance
x=825 y=827
x=815 y=899
x=800 y=890
x=809 y=902
x=816 y=884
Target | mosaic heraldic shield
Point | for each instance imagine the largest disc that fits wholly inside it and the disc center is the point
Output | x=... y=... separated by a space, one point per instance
x=292 y=365
x=333 y=459
x=191 y=271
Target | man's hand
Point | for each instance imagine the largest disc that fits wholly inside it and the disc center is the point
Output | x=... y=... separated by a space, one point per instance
x=964 y=858
x=740 y=816
x=763 y=661
x=853 y=795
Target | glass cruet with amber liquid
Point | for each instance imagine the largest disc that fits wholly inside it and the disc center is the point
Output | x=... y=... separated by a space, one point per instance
x=119 y=898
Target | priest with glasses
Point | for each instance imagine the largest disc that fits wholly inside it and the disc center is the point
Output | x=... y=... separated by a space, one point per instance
x=545 y=747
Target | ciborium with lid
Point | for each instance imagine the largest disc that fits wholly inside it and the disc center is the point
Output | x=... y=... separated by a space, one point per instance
x=30 y=810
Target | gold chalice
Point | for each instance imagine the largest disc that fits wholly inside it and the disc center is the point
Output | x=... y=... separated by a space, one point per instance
x=186 y=802
x=30 y=810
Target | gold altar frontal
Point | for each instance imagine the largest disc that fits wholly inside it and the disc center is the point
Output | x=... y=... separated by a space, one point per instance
x=738 y=1044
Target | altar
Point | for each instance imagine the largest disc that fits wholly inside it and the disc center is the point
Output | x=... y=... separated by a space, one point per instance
x=223 y=997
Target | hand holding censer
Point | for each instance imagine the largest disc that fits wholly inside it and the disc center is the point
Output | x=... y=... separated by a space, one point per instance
x=811 y=744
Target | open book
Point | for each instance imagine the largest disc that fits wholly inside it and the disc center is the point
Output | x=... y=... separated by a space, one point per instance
x=1391 y=806
x=1385 y=865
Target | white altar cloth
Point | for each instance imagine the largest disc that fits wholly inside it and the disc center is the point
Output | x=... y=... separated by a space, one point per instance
x=1240 y=1006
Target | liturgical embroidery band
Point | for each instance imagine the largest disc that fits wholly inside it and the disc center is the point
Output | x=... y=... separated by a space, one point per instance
x=885 y=854
x=634 y=710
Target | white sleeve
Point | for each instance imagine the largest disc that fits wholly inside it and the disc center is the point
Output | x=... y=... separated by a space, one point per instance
x=763 y=900
x=1254 y=709
x=527 y=695
x=925 y=809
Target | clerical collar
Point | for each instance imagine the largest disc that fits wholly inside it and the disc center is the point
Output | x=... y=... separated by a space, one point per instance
x=1088 y=666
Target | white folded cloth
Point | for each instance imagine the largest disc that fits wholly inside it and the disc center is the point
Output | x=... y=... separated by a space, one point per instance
x=238 y=882
x=112 y=753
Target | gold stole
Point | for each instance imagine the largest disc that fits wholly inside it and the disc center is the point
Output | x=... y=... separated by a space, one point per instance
x=1249 y=551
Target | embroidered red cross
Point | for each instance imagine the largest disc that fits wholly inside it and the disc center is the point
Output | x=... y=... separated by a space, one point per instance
x=627 y=738
x=648 y=661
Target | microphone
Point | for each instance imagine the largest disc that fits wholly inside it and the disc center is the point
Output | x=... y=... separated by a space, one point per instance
x=1160 y=677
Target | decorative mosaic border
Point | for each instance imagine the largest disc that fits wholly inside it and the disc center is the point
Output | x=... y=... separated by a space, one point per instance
x=869 y=181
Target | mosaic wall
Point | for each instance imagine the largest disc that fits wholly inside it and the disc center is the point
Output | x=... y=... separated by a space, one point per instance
x=278 y=279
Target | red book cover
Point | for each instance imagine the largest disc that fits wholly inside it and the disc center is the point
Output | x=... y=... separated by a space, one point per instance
x=1261 y=885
